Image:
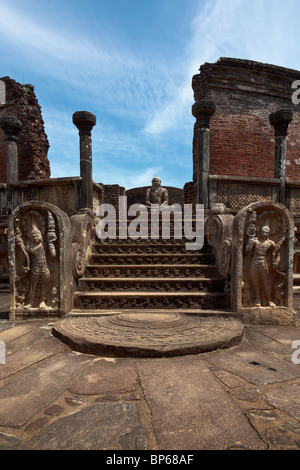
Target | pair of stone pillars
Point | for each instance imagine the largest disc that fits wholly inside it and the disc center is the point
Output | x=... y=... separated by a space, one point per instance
x=203 y=110
x=85 y=122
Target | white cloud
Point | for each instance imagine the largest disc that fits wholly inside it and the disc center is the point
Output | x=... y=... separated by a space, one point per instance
x=132 y=178
x=259 y=30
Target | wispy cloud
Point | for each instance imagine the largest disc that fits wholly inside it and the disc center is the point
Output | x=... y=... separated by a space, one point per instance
x=98 y=67
x=260 y=30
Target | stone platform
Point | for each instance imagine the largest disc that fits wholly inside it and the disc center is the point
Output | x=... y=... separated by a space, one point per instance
x=53 y=398
x=154 y=333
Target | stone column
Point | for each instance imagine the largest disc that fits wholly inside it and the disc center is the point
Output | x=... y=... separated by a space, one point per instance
x=2 y=92
x=203 y=110
x=11 y=127
x=85 y=121
x=280 y=121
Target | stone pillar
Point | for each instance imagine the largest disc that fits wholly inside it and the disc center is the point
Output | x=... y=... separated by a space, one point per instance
x=280 y=121
x=203 y=110
x=85 y=121
x=2 y=92
x=11 y=127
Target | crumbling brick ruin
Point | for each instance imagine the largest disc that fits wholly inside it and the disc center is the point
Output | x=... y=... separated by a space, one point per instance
x=20 y=101
x=242 y=140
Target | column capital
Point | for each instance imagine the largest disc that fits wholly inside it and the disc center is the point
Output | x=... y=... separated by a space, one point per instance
x=11 y=127
x=203 y=110
x=280 y=120
x=84 y=121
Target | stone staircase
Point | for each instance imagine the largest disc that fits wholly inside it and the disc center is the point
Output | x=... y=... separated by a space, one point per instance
x=149 y=274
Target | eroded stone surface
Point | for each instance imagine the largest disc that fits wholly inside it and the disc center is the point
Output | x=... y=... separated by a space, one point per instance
x=28 y=349
x=36 y=387
x=286 y=398
x=105 y=377
x=255 y=366
x=105 y=426
x=8 y=442
x=171 y=385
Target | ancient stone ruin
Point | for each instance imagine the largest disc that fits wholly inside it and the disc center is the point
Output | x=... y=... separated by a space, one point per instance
x=147 y=295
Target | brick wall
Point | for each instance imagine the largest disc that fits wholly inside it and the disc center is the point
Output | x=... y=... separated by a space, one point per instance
x=189 y=193
x=33 y=144
x=245 y=93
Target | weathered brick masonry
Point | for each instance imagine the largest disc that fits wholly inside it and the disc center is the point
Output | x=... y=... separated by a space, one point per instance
x=33 y=144
x=241 y=138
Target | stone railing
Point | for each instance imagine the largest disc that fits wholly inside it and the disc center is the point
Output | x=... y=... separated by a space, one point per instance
x=236 y=192
x=61 y=192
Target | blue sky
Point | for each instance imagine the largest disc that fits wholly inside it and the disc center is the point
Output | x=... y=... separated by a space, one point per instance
x=131 y=63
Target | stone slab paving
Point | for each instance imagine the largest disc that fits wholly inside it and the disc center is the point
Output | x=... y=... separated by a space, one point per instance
x=103 y=426
x=190 y=410
x=245 y=397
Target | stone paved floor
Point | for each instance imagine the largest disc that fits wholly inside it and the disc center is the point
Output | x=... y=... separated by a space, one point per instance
x=245 y=397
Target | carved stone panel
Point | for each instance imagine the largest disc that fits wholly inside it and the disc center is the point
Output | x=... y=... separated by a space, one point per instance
x=218 y=230
x=38 y=247
x=293 y=200
x=237 y=196
x=262 y=264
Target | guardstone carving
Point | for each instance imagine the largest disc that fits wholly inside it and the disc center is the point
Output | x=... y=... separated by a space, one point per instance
x=262 y=264
x=37 y=253
x=218 y=230
x=39 y=243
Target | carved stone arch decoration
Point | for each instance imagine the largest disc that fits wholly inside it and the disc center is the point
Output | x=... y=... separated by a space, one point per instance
x=218 y=231
x=41 y=281
x=263 y=239
x=82 y=231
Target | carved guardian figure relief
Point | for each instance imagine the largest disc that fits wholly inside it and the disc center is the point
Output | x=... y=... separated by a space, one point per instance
x=36 y=261
x=264 y=273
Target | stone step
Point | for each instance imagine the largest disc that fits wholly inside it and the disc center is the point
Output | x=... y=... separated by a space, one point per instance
x=151 y=285
x=146 y=258
x=145 y=241
x=296 y=279
x=148 y=271
x=78 y=312
x=153 y=220
x=159 y=248
x=165 y=300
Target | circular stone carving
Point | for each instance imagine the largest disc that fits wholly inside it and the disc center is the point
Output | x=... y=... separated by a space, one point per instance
x=78 y=261
x=149 y=335
x=148 y=320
